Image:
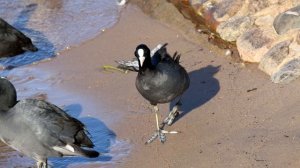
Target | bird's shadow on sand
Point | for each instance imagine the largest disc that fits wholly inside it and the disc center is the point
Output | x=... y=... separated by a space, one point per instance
x=100 y=134
x=45 y=48
x=203 y=87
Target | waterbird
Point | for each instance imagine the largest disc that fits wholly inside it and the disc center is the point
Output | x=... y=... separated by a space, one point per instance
x=39 y=129
x=13 y=41
x=161 y=81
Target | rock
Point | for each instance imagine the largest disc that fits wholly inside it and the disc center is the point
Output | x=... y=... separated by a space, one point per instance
x=258 y=5
x=274 y=57
x=234 y=27
x=226 y=9
x=287 y=20
x=283 y=59
x=253 y=44
x=263 y=21
x=288 y=71
x=228 y=52
x=264 y=30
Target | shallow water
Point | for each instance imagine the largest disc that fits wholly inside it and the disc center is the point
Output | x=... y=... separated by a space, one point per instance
x=54 y=25
x=30 y=82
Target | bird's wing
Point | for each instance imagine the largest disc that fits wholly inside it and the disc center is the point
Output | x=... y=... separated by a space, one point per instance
x=50 y=124
x=132 y=65
x=159 y=53
x=176 y=57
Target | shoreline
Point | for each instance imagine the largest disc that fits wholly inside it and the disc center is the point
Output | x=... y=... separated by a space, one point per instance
x=223 y=124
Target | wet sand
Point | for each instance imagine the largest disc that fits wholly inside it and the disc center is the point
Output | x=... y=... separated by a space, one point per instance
x=233 y=116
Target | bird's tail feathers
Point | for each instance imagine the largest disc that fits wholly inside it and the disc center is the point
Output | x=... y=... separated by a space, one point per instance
x=82 y=139
x=86 y=152
x=176 y=57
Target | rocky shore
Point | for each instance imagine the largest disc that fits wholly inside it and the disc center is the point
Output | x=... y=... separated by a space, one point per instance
x=265 y=32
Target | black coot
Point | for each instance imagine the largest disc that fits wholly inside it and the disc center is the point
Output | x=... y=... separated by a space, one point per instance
x=12 y=41
x=160 y=82
x=40 y=129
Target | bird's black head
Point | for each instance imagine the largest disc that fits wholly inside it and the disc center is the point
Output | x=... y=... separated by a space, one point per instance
x=27 y=45
x=142 y=53
x=8 y=94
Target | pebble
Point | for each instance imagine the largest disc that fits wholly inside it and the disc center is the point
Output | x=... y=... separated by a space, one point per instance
x=228 y=52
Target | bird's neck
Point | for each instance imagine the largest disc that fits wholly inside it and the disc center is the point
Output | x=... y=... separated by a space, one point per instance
x=147 y=65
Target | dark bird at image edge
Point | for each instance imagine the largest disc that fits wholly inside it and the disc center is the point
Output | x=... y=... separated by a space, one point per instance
x=13 y=41
x=39 y=129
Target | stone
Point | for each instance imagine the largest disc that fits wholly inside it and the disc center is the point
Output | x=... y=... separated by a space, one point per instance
x=257 y=5
x=228 y=52
x=274 y=57
x=282 y=62
x=253 y=44
x=225 y=9
x=265 y=31
x=264 y=21
x=234 y=27
x=288 y=71
x=287 y=20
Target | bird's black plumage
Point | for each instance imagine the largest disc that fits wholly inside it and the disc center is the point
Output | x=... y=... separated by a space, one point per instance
x=160 y=81
x=12 y=41
x=40 y=129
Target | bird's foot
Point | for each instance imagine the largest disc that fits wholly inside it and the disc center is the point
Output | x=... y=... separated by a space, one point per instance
x=161 y=134
x=172 y=115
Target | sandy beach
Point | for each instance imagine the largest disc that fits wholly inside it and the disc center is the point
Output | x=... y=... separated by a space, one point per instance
x=232 y=114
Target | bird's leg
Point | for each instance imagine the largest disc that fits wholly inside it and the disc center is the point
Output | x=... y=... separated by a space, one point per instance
x=46 y=163
x=39 y=164
x=42 y=164
x=172 y=115
x=156 y=133
x=160 y=133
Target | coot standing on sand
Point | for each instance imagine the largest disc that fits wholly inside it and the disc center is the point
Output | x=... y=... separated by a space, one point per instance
x=39 y=129
x=160 y=82
x=12 y=41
